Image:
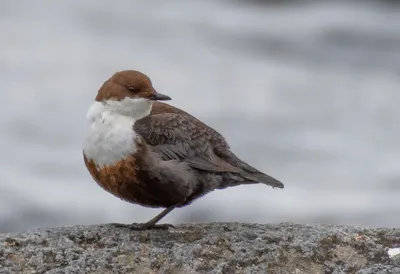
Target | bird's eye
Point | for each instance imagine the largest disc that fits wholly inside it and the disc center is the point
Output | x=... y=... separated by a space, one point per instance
x=131 y=88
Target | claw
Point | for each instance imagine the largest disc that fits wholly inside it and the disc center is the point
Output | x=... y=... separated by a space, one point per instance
x=150 y=226
x=119 y=225
x=144 y=226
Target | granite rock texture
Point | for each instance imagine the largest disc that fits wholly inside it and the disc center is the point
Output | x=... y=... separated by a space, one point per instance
x=202 y=248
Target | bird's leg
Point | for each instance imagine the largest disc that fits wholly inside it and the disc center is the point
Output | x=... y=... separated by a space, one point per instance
x=152 y=224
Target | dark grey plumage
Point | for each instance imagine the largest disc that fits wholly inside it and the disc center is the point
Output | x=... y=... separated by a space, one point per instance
x=181 y=138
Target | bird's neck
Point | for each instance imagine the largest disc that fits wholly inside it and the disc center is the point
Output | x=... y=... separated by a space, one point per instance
x=134 y=108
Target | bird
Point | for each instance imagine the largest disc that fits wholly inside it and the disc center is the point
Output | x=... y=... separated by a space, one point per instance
x=150 y=153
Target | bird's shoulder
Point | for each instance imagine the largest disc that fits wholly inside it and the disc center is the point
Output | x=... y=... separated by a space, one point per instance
x=177 y=135
x=168 y=124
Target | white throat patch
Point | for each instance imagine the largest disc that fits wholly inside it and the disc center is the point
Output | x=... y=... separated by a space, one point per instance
x=110 y=136
x=136 y=108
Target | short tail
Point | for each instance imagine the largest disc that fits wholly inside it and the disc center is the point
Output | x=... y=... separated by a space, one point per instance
x=250 y=174
x=263 y=179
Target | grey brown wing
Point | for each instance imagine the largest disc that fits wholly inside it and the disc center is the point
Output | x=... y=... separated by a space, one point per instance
x=183 y=138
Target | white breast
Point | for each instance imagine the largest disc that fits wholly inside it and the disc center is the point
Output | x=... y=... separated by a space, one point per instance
x=110 y=137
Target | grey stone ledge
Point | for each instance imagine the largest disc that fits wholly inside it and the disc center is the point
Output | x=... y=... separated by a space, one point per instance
x=202 y=248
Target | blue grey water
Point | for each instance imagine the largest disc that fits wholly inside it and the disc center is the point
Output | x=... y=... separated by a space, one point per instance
x=308 y=93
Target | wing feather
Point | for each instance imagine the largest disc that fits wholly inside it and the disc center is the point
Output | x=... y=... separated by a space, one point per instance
x=177 y=136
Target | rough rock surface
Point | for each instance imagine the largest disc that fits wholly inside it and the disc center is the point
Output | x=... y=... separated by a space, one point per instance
x=202 y=248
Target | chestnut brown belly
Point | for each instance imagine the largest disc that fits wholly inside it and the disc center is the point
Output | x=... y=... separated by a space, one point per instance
x=128 y=182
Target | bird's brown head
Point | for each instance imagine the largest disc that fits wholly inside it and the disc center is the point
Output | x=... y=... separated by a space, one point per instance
x=130 y=93
x=129 y=84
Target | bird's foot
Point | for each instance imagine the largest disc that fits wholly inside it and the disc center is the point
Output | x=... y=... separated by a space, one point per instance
x=144 y=226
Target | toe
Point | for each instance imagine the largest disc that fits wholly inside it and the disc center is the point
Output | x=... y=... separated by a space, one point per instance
x=163 y=226
x=120 y=225
x=143 y=226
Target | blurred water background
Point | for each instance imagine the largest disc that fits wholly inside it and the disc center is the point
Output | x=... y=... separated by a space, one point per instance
x=307 y=91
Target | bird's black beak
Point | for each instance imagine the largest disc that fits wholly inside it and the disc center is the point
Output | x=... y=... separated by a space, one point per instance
x=159 y=97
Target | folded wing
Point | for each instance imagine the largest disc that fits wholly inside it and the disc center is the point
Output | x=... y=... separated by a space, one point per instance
x=182 y=137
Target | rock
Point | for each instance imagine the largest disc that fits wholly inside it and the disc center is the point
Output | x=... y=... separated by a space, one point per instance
x=202 y=248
